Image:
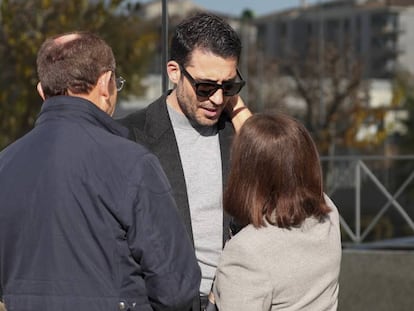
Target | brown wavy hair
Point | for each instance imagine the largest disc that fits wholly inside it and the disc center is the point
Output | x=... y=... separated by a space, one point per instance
x=275 y=174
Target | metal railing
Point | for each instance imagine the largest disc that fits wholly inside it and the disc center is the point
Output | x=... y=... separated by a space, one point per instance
x=390 y=185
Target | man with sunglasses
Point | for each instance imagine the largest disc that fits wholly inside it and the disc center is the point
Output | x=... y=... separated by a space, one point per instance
x=190 y=129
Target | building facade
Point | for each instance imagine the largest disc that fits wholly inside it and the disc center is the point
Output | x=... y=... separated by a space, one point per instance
x=379 y=33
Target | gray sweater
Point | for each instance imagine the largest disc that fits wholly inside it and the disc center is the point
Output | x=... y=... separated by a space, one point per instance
x=200 y=156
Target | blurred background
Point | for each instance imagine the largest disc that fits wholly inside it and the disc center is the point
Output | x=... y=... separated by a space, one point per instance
x=344 y=68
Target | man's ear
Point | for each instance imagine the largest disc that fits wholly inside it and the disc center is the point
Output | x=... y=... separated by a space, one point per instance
x=173 y=71
x=104 y=84
x=40 y=90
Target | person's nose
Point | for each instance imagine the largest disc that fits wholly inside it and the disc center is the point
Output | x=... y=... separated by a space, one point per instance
x=217 y=98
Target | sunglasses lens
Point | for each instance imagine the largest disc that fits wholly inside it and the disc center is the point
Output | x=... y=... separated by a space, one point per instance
x=206 y=89
x=231 y=89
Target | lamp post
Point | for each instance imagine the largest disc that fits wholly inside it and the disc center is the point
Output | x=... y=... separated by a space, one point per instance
x=164 y=57
x=321 y=47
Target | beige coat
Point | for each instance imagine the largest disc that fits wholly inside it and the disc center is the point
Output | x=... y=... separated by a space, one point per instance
x=278 y=269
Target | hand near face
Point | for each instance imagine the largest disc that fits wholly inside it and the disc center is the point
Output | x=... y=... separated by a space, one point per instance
x=237 y=111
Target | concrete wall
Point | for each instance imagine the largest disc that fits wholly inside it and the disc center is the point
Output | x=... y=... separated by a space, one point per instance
x=376 y=280
x=406 y=39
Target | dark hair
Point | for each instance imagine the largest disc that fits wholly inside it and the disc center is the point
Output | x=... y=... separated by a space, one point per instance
x=275 y=174
x=205 y=31
x=74 y=64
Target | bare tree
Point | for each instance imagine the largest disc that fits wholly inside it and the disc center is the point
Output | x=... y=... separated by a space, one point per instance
x=332 y=89
x=327 y=92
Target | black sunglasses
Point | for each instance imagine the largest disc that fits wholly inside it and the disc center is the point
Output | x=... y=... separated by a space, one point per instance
x=207 y=89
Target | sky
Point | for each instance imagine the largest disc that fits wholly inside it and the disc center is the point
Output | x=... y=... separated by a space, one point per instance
x=259 y=7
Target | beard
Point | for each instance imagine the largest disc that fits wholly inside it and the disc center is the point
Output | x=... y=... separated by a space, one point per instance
x=203 y=113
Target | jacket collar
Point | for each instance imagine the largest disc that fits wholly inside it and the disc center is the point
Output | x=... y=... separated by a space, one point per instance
x=72 y=107
x=158 y=119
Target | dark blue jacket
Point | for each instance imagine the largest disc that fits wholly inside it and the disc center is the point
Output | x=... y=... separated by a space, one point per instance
x=87 y=220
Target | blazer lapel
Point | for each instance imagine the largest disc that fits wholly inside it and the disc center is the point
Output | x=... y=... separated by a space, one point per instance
x=159 y=136
x=161 y=141
x=226 y=133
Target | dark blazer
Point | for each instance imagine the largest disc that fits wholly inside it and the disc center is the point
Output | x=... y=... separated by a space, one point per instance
x=152 y=127
x=87 y=219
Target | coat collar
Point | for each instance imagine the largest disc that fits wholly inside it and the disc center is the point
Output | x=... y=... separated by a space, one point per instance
x=72 y=107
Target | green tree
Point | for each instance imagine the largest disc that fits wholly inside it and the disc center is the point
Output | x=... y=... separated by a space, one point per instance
x=25 y=24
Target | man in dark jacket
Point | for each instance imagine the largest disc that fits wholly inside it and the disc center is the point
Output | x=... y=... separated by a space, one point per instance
x=87 y=219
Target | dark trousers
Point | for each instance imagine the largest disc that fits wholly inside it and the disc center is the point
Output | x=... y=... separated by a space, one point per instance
x=203 y=302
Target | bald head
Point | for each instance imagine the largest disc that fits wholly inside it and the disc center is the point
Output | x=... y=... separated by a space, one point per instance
x=66 y=38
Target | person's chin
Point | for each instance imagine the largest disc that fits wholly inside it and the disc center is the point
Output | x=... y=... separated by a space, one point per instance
x=207 y=121
x=209 y=117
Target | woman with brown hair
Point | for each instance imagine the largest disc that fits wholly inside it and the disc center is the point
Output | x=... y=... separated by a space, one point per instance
x=287 y=257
